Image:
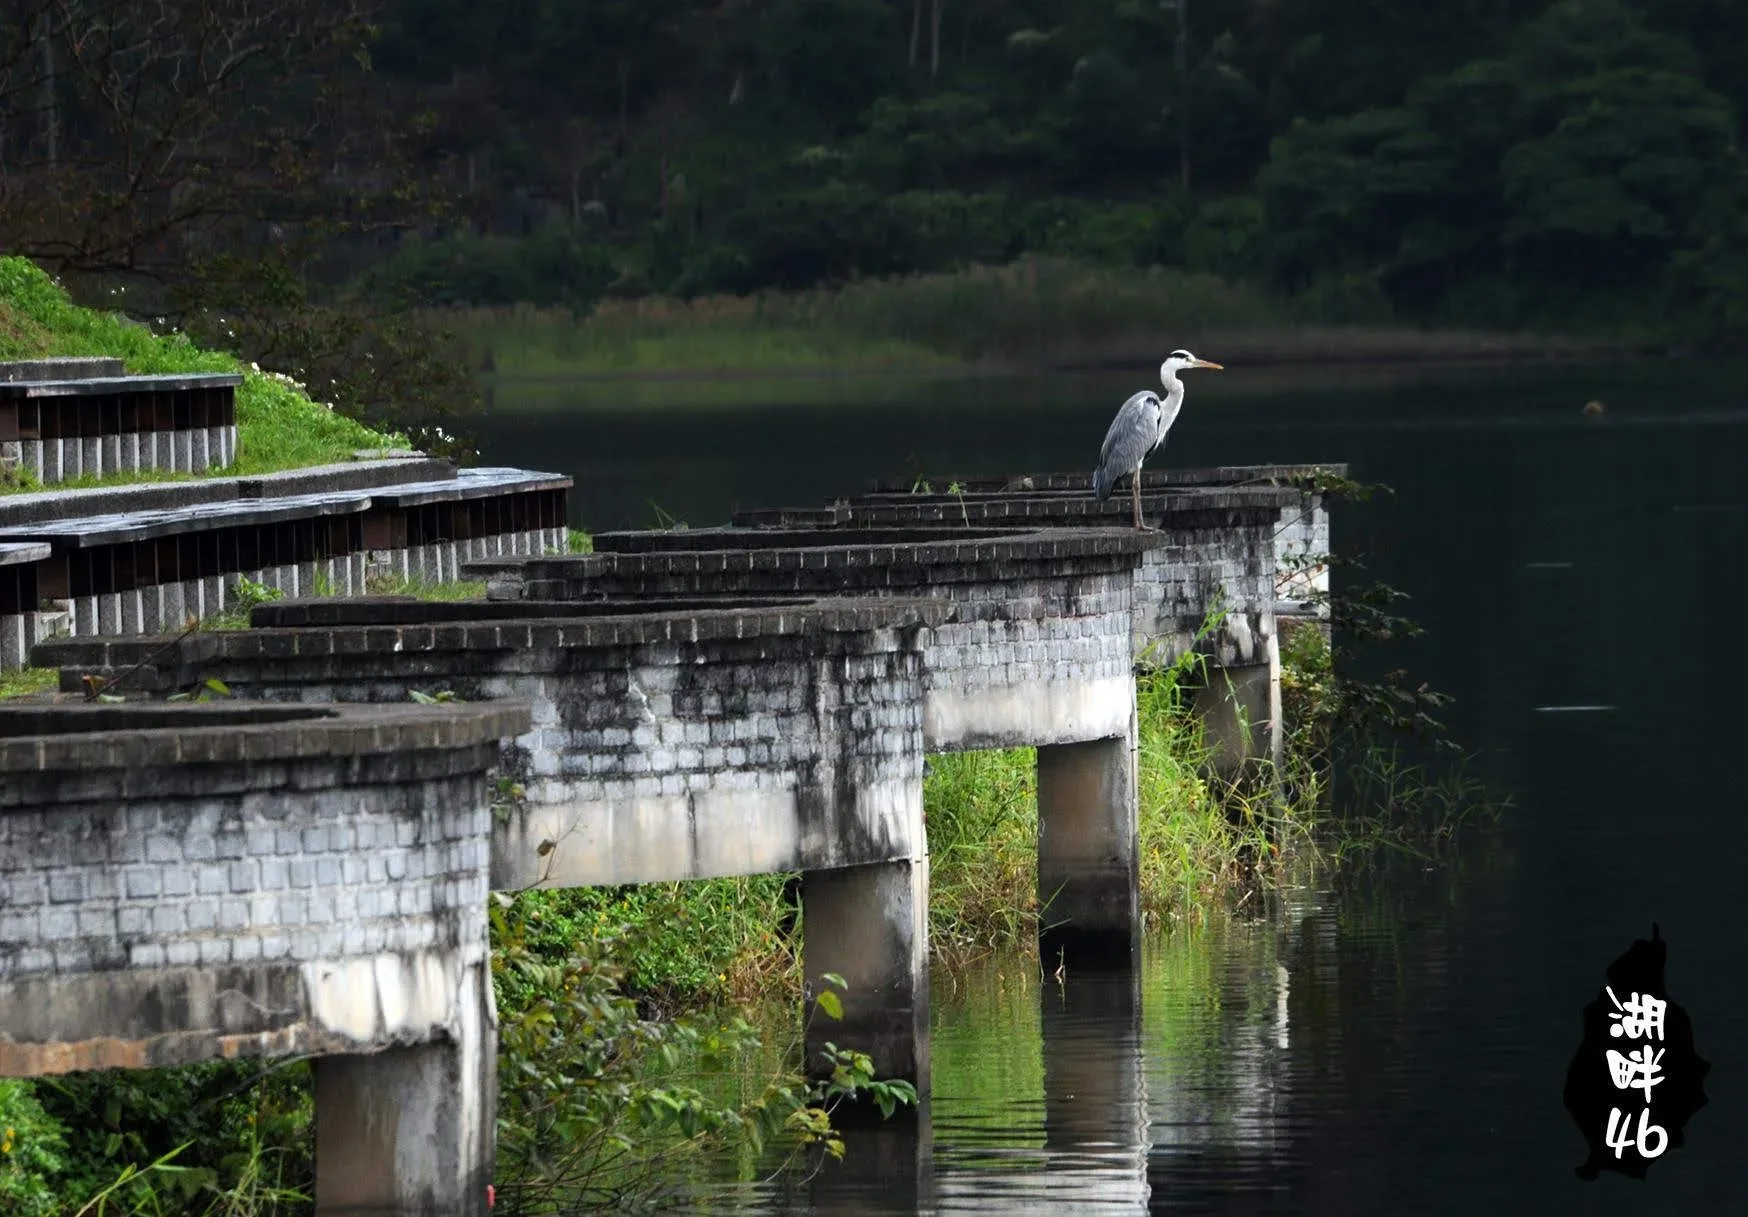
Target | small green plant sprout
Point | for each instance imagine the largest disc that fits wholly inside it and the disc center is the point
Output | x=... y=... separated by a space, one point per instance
x=853 y=1075
x=507 y=797
x=664 y=521
x=322 y=585
x=434 y=699
x=249 y=593
x=578 y=541
x=958 y=492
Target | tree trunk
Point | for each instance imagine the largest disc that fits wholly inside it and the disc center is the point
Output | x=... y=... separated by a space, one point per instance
x=935 y=39
x=624 y=101
x=1182 y=57
x=916 y=29
x=50 y=116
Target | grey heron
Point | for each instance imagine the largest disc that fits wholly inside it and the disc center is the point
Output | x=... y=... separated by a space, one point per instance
x=1140 y=427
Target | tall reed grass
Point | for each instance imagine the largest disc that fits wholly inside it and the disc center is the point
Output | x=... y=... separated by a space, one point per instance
x=982 y=313
x=1036 y=310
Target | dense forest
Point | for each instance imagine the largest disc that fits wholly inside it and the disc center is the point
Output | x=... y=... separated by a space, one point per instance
x=1503 y=163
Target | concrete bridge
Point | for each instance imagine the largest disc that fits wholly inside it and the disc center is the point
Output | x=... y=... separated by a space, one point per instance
x=679 y=706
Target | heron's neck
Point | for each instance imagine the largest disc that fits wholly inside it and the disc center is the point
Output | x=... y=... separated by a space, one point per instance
x=1174 y=388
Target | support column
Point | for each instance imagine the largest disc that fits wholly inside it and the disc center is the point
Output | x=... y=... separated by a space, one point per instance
x=888 y=1166
x=408 y=1132
x=1240 y=709
x=1089 y=873
x=1095 y=1085
x=869 y=924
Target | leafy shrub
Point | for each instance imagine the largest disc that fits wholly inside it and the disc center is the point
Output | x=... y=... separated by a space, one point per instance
x=31 y=1153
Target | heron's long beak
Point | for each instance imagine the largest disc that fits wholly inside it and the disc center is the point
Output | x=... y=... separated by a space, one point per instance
x=1207 y=363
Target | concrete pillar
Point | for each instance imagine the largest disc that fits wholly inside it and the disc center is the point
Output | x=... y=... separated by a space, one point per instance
x=1089 y=875
x=84 y=616
x=51 y=462
x=133 y=613
x=888 y=1165
x=183 y=461
x=870 y=925
x=175 y=608
x=1095 y=1085
x=109 y=614
x=151 y=609
x=1239 y=709
x=72 y=459
x=408 y=1132
x=93 y=456
x=197 y=453
x=112 y=454
x=30 y=452
x=130 y=452
x=14 y=641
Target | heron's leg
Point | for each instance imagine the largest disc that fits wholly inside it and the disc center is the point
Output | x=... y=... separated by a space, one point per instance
x=1135 y=495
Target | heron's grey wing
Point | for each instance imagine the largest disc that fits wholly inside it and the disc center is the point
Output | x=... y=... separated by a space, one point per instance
x=1132 y=434
x=1129 y=439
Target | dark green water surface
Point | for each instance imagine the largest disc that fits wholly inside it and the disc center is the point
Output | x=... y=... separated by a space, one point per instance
x=1395 y=1044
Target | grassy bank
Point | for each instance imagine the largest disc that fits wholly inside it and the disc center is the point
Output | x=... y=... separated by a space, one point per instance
x=1033 y=313
x=279 y=424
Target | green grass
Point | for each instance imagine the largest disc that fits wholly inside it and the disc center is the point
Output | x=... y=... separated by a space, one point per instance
x=1035 y=311
x=25 y=681
x=279 y=426
x=399 y=585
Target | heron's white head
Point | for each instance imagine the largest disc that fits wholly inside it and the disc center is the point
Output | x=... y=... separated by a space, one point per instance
x=1182 y=361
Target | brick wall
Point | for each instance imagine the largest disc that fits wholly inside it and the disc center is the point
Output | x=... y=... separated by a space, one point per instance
x=208 y=884
x=1037 y=651
x=679 y=746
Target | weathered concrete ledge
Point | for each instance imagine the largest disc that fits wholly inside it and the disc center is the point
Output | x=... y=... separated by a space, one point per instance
x=1218 y=554
x=1037 y=651
x=41 y=506
x=191 y=882
x=186 y=882
x=1207 y=475
x=65 y=367
x=1209 y=589
x=136 y=572
x=83 y=425
x=663 y=745
x=1302 y=543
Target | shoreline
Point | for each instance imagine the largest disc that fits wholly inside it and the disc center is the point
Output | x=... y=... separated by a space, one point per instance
x=1436 y=351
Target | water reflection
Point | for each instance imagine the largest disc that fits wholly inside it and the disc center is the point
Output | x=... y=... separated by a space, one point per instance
x=1094 y=1092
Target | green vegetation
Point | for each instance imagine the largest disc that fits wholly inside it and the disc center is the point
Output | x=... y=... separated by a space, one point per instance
x=279 y=426
x=24 y=681
x=1535 y=166
x=1034 y=311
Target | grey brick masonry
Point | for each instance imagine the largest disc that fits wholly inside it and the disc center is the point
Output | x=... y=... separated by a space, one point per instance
x=184 y=882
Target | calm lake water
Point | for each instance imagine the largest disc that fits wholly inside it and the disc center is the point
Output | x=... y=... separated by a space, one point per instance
x=1397 y=1044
